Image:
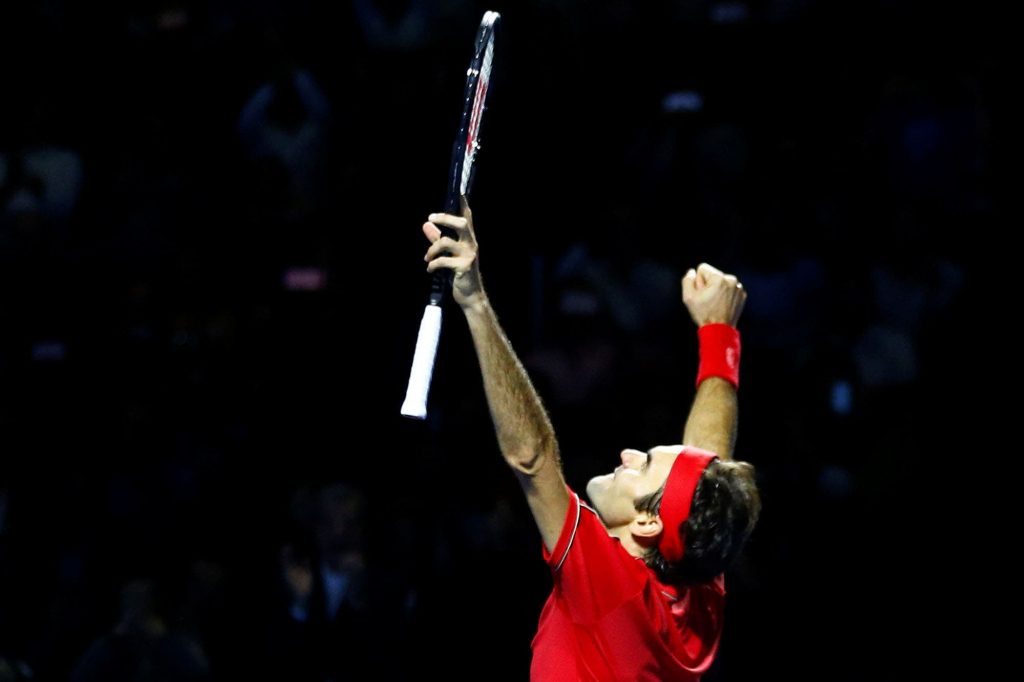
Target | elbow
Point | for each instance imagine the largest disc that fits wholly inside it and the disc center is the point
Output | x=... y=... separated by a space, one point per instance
x=532 y=460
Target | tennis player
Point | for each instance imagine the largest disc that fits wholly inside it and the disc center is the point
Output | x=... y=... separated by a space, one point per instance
x=638 y=573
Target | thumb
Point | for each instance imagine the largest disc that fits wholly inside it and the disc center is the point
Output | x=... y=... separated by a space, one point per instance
x=466 y=211
x=689 y=283
x=432 y=232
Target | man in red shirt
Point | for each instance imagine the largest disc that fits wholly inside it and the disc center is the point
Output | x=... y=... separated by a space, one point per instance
x=638 y=586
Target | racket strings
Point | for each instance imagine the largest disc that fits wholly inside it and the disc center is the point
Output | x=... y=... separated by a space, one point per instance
x=483 y=81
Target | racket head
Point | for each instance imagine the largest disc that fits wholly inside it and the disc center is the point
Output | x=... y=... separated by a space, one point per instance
x=467 y=143
x=467 y=140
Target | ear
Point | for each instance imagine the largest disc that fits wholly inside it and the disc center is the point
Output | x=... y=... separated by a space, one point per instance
x=646 y=525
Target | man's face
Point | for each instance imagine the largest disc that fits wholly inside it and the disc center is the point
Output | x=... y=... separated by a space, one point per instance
x=641 y=473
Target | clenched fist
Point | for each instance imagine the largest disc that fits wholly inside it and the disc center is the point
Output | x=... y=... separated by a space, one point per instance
x=712 y=296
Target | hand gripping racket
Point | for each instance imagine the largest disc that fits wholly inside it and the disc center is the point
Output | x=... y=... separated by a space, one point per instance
x=467 y=143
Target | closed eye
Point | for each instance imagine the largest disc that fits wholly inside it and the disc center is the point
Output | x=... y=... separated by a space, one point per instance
x=647 y=462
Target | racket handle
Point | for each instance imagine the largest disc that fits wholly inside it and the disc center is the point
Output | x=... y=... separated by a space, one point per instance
x=415 y=404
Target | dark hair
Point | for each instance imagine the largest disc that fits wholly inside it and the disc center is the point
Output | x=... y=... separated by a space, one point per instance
x=725 y=508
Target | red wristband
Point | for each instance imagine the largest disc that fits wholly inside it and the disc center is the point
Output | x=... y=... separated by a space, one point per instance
x=719 y=353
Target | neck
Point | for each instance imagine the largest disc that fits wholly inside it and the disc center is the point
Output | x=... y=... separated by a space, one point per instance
x=628 y=541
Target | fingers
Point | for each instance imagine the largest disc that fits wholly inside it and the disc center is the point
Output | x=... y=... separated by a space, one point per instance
x=712 y=296
x=432 y=232
x=459 y=265
x=458 y=254
x=707 y=274
x=462 y=226
x=447 y=245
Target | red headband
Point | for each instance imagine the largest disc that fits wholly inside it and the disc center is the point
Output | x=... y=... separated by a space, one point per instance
x=677 y=498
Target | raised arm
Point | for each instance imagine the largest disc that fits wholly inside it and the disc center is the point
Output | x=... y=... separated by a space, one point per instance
x=713 y=297
x=524 y=432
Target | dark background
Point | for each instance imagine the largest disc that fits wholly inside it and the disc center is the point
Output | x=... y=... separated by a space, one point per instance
x=211 y=278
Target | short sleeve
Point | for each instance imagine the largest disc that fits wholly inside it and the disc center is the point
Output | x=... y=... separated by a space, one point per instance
x=555 y=557
x=592 y=572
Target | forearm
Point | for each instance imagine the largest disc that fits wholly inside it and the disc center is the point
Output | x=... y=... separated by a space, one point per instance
x=713 y=418
x=525 y=435
x=524 y=431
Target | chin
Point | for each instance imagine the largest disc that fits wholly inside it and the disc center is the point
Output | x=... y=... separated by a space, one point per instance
x=594 y=489
x=595 y=486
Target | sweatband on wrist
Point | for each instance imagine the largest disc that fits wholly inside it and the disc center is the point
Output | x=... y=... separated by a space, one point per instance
x=719 y=353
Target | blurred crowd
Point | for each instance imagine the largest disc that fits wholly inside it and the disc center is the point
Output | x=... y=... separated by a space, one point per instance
x=211 y=279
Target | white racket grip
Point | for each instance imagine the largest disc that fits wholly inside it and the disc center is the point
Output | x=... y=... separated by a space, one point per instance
x=415 y=404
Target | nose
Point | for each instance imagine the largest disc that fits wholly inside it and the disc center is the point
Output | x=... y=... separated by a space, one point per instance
x=629 y=457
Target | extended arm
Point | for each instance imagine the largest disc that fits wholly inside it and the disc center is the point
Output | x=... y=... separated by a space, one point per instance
x=713 y=297
x=524 y=432
x=713 y=418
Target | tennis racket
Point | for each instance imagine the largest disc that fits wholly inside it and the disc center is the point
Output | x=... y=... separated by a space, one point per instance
x=460 y=180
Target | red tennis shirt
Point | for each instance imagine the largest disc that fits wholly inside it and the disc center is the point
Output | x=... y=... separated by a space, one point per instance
x=609 y=618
